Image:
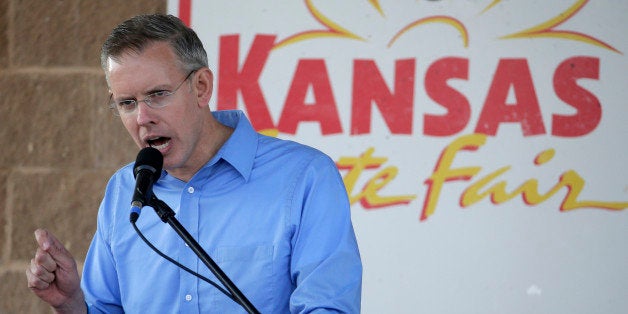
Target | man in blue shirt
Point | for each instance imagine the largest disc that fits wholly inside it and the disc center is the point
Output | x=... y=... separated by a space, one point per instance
x=273 y=214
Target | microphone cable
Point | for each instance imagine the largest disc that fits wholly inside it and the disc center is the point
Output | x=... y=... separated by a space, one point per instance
x=221 y=289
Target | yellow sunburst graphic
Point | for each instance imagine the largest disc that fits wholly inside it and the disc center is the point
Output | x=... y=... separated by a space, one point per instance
x=332 y=29
x=447 y=20
x=547 y=29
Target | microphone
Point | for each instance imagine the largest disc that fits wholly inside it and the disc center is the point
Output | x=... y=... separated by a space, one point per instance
x=147 y=170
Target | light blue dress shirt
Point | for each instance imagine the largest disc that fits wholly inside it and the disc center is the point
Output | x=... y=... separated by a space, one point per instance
x=273 y=214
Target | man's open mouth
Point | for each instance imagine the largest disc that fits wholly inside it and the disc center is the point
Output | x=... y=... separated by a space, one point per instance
x=159 y=142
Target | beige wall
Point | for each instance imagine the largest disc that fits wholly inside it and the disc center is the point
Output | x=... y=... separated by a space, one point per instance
x=59 y=141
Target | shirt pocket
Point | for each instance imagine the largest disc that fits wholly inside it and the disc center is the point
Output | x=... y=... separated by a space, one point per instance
x=250 y=268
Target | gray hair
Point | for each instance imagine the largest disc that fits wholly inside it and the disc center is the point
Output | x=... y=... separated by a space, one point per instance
x=140 y=31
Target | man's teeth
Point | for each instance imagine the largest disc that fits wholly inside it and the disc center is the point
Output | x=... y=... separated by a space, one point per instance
x=160 y=147
x=159 y=143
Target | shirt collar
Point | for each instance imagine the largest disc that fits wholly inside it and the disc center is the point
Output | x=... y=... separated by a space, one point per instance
x=240 y=149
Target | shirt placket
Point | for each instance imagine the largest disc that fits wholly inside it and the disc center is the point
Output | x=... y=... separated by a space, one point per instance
x=188 y=217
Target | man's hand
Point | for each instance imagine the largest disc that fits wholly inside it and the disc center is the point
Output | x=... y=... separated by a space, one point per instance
x=53 y=276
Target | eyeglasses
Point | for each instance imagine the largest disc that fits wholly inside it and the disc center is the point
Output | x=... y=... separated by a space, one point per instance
x=158 y=99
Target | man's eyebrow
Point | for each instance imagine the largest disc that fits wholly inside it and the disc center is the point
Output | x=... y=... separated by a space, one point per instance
x=152 y=90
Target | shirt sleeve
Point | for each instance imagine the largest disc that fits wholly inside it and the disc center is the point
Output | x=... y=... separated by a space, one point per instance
x=325 y=265
x=100 y=281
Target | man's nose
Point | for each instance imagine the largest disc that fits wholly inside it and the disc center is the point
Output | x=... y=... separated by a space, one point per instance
x=145 y=114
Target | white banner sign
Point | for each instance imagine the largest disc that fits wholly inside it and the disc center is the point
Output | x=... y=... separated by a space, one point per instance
x=482 y=143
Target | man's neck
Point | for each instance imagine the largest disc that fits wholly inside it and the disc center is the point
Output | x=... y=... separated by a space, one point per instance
x=212 y=139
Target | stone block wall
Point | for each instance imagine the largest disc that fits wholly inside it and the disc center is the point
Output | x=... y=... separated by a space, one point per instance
x=59 y=141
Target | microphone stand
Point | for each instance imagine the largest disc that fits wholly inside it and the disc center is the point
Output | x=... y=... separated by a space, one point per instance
x=167 y=215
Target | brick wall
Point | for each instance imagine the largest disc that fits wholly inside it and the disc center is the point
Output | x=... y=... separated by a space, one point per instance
x=59 y=141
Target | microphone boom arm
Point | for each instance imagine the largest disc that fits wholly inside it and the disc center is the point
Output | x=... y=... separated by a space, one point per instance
x=166 y=214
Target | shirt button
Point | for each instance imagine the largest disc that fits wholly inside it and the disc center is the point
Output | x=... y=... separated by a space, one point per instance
x=191 y=190
x=188 y=297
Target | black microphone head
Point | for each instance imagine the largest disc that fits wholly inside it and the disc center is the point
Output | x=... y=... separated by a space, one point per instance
x=149 y=158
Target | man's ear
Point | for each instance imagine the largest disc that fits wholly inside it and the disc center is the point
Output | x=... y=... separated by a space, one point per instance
x=204 y=83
